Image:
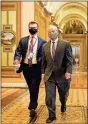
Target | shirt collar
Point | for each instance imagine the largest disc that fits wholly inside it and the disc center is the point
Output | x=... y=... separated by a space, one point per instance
x=34 y=36
x=55 y=40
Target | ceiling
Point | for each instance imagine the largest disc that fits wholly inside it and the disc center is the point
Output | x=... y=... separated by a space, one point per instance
x=53 y=7
x=65 y=11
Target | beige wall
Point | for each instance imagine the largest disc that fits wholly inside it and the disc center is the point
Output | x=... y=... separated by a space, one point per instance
x=43 y=18
x=27 y=15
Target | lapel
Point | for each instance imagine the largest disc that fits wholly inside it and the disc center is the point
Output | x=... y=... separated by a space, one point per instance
x=26 y=43
x=39 y=47
x=39 y=43
x=49 y=49
x=58 y=46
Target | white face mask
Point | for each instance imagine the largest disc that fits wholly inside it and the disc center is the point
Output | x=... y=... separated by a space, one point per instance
x=53 y=36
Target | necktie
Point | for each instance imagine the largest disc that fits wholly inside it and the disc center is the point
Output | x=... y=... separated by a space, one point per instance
x=53 y=49
x=30 y=52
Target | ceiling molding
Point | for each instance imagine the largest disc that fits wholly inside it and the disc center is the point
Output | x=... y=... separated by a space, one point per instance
x=70 y=5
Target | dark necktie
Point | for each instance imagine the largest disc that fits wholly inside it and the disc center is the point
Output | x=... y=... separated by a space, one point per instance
x=53 y=49
x=30 y=52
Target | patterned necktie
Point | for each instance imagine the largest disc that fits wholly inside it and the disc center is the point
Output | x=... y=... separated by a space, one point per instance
x=30 y=52
x=53 y=49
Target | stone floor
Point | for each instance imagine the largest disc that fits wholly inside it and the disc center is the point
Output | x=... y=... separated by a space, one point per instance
x=15 y=103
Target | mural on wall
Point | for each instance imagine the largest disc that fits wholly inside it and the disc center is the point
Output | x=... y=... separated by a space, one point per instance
x=7 y=36
x=73 y=27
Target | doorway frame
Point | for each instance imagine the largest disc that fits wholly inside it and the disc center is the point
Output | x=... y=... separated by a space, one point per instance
x=80 y=40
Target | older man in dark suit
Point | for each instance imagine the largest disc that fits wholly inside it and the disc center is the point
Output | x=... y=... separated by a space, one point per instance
x=30 y=49
x=56 y=71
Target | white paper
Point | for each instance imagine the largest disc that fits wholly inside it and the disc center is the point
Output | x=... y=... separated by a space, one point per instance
x=17 y=66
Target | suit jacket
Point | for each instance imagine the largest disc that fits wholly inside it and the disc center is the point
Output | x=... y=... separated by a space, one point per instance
x=61 y=64
x=21 y=51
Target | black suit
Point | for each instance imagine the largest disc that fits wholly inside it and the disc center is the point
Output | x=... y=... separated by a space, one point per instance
x=54 y=71
x=32 y=74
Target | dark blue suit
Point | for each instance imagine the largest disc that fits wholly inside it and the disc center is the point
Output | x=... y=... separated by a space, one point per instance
x=32 y=74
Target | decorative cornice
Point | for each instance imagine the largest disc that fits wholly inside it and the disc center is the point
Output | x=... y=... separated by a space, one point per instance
x=45 y=10
x=82 y=36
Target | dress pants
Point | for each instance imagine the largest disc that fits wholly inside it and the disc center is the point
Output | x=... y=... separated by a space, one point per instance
x=50 y=89
x=32 y=76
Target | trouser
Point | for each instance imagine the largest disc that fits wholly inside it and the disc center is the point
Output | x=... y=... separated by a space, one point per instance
x=32 y=76
x=50 y=89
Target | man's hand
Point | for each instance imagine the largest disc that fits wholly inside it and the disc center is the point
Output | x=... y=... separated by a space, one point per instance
x=42 y=79
x=16 y=62
x=67 y=75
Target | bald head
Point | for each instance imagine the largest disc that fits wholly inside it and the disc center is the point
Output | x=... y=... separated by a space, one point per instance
x=52 y=27
x=52 y=32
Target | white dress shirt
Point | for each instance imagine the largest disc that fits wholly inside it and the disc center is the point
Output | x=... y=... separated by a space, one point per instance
x=35 y=41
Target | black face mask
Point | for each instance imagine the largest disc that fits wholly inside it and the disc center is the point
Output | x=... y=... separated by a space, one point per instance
x=33 y=31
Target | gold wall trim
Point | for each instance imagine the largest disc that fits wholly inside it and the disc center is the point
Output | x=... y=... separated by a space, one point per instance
x=7 y=49
x=74 y=4
x=7 y=27
x=82 y=36
x=19 y=21
x=8 y=71
x=8 y=5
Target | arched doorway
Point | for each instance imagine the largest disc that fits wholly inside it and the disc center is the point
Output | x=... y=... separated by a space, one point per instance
x=74 y=32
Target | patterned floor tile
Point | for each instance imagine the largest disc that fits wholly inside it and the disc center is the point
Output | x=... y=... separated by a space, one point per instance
x=16 y=110
x=74 y=115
